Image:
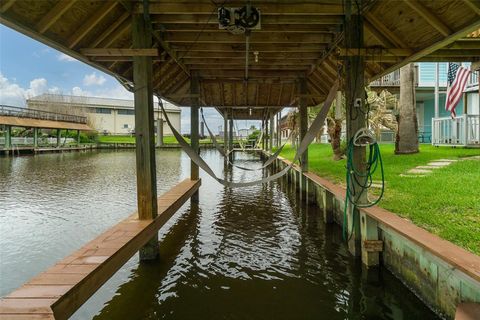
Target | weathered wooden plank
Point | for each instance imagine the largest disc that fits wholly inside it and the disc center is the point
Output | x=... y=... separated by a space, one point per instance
x=275 y=19
x=46 y=124
x=88 y=25
x=63 y=288
x=53 y=15
x=6 y=5
x=120 y=52
x=195 y=7
x=111 y=28
x=430 y=17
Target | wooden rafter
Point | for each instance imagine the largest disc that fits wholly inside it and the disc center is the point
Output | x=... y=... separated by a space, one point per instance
x=267 y=9
x=88 y=25
x=53 y=15
x=6 y=5
x=110 y=29
x=432 y=48
x=115 y=34
x=188 y=18
x=390 y=35
x=473 y=6
x=430 y=17
x=119 y=52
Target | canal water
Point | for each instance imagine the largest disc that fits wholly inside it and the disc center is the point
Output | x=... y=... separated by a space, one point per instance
x=249 y=253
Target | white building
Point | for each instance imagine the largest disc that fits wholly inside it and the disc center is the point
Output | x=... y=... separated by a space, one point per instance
x=107 y=116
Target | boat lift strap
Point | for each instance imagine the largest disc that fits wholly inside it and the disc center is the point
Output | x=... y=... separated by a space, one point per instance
x=303 y=146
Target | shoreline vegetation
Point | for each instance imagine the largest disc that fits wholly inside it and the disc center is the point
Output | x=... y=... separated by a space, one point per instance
x=445 y=202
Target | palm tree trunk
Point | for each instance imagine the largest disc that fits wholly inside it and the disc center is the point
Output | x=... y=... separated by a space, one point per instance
x=407 y=135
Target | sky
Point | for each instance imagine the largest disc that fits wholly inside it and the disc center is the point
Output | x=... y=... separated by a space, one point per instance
x=29 y=68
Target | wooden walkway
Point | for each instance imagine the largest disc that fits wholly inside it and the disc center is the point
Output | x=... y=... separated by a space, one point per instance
x=39 y=123
x=58 y=292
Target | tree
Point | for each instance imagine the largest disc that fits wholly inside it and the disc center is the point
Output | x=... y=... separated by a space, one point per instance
x=407 y=134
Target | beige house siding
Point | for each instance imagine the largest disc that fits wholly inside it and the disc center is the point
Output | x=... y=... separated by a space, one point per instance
x=116 y=122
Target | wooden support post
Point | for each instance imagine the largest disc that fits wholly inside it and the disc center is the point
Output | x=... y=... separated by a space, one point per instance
x=194 y=136
x=78 y=137
x=8 y=137
x=160 y=130
x=272 y=127
x=144 y=133
x=225 y=133
x=279 y=132
x=230 y=139
x=59 y=137
x=303 y=114
x=355 y=114
x=35 y=137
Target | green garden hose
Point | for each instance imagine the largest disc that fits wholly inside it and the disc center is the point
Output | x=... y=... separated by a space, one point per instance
x=363 y=180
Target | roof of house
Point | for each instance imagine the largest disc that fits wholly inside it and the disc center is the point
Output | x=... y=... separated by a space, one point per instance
x=94 y=102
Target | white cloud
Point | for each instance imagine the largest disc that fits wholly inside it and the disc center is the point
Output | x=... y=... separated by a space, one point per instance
x=64 y=57
x=77 y=91
x=93 y=79
x=13 y=94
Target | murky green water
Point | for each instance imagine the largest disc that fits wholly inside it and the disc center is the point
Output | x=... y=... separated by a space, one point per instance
x=252 y=253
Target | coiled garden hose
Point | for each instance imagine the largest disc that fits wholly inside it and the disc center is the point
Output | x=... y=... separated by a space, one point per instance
x=363 y=180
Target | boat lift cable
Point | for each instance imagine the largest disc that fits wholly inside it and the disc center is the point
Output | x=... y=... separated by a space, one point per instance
x=363 y=180
x=307 y=139
x=222 y=152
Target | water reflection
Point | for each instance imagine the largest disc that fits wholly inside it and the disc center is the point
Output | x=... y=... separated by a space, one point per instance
x=252 y=253
x=258 y=253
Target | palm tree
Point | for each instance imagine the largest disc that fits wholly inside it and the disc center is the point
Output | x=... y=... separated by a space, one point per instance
x=407 y=134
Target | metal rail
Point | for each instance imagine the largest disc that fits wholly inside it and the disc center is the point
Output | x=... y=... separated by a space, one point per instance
x=10 y=111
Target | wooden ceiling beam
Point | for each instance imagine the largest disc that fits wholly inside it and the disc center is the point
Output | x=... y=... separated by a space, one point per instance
x=159 y=37
x=253 y=74
x=391 y=36
x=463 y=45
x=270 y=28
x=187 y=18
x=53 y=15
x=221 y=92
x=242 y=67
x=206 y=8
x=90 y=23
x=6 y=4
x=430 y=17
x=374 y=52
x=259 y=64
x=432 y=48
x=114 y=35
x=261 y=38
x=241 y=56
x=110 y=29
x=120 y=52
x=240 y=47
x=473 y=6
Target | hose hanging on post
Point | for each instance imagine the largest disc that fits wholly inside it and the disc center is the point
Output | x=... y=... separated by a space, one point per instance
x=363 y=180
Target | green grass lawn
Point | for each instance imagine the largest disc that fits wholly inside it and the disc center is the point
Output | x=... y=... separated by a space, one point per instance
x=445 y=202
x=131 y=139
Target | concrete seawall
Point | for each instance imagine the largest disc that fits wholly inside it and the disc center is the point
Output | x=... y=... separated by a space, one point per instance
x=440 y=273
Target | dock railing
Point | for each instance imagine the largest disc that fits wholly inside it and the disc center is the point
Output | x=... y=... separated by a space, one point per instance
x=463 y=130
x=11 y=111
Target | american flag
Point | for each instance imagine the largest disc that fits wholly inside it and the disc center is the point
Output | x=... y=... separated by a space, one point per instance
x=456 y=81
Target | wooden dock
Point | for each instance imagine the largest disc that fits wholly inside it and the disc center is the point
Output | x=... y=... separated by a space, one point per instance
x=59 y=291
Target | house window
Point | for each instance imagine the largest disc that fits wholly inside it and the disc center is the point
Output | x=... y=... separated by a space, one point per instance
x=125 y=126
x=103 y=110
x=126 y=112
